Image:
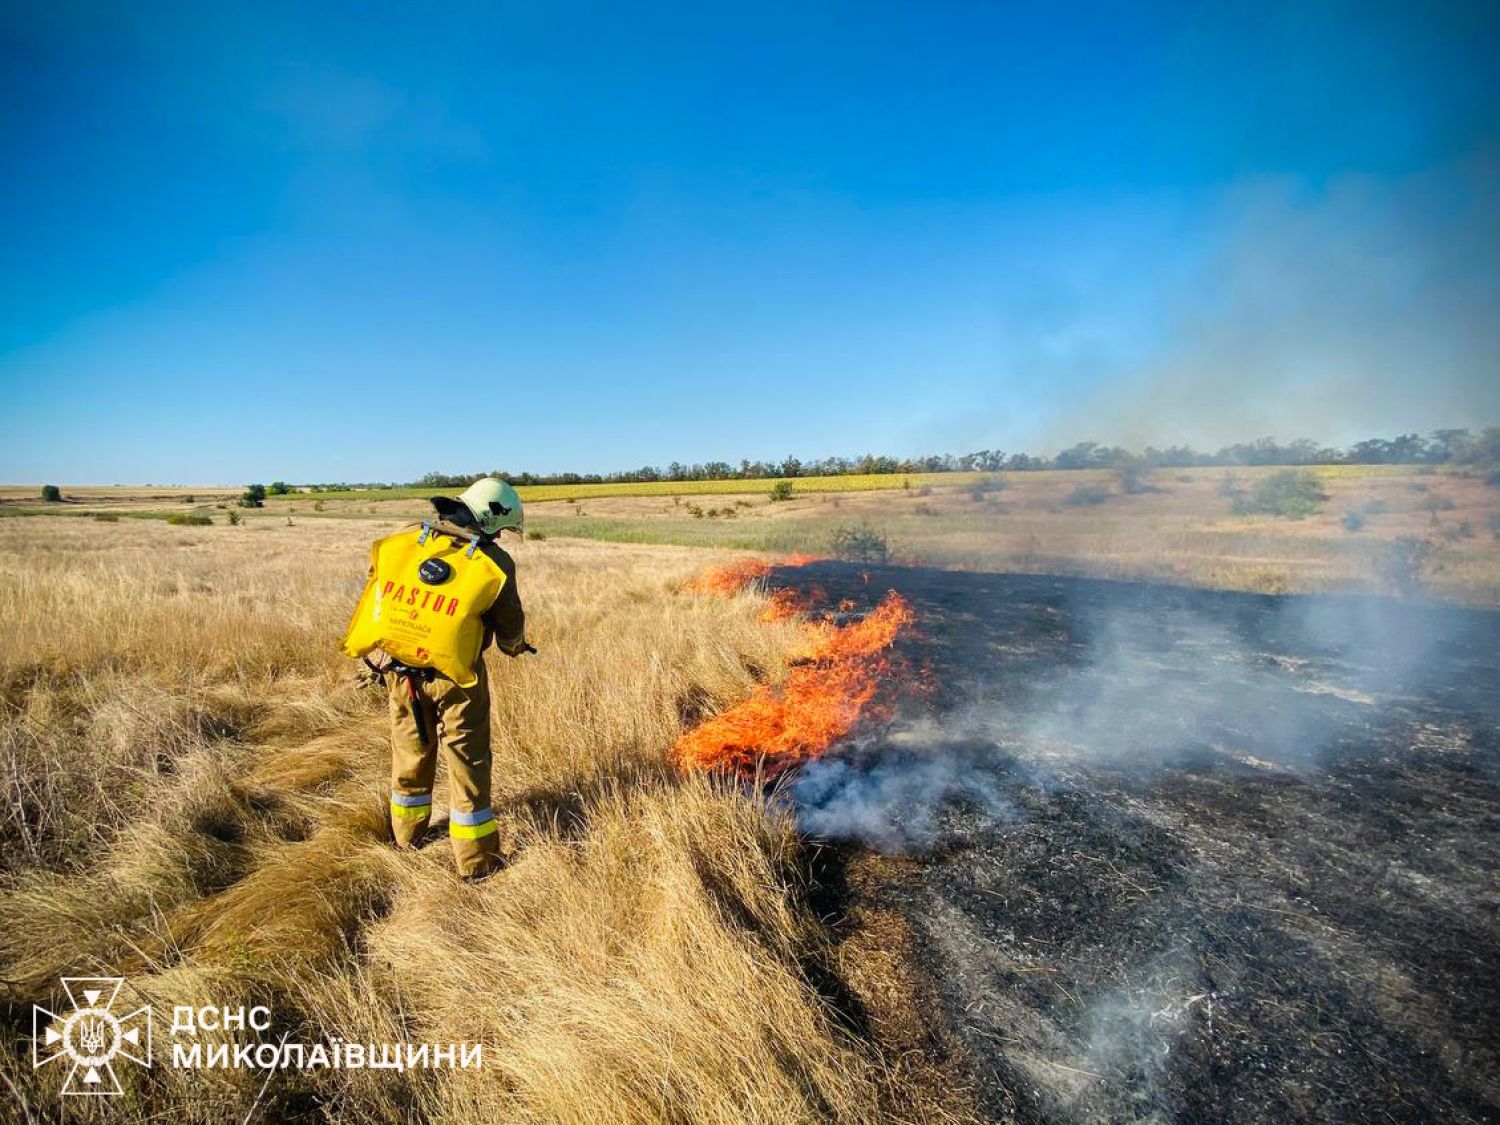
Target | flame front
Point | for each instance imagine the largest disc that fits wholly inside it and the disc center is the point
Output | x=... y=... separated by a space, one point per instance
x=733 y=577
x=817 y=704
x=789 y=604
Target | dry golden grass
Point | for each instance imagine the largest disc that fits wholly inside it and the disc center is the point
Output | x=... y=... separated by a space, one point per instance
x=194 y=798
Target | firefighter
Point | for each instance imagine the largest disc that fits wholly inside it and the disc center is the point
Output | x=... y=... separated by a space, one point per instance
x=438 y=594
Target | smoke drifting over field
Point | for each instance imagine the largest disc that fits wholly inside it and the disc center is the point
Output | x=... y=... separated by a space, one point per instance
x=1132 y=687
x=891 y=800
x=1362 y=305
x=1158 y=690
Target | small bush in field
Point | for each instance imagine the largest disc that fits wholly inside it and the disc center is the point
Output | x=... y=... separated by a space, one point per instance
x=859 y=543
x=52 y=494
x=189 y=499
x=1353 y=521
x=1404 y=564
x=1292 y=494
x=981 y=488
x=1135 y=478
x=106 y=517
x=1088 y=496
x=1436 y=502
x=1229 y=486
x=234 y=518
x=1464 y=530
x=781 y=490
x=537 y=535
x=190 y=519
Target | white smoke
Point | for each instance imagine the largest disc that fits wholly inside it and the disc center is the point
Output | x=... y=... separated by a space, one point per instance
x=890 y=796
x=1286 y=687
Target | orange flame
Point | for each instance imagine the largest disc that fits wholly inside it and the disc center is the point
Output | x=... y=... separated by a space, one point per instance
x=733 y=577
x=817 y=704
x=785 y=604
x=789 y=604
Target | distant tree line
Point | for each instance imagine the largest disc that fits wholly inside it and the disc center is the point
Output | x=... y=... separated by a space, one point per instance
x=1455 y=446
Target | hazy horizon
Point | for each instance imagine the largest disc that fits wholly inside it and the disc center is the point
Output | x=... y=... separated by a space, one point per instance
x=663 y=463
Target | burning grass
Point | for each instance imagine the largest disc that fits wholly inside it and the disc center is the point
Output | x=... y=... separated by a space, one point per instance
x=817 y=704
x=733 y=577
x=840 y=669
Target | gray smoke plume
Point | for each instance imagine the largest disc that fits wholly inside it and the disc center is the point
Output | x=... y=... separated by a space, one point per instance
x=1242 y=684
x=1366 y=306
x=890 y=797
x=1156 y=690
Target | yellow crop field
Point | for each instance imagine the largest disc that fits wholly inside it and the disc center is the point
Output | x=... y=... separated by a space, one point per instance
x=867 y=482
x=854 y=482
x=532 y=493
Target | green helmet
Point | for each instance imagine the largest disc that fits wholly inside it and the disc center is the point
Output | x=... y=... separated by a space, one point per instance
x=489 y=504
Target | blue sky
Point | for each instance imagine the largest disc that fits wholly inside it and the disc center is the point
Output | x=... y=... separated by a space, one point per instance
x=358 y=242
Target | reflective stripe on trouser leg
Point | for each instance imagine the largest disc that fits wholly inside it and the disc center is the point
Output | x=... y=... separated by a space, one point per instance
x=464 y=733
x=413 y=764
x=471 y=825
x=412 y=806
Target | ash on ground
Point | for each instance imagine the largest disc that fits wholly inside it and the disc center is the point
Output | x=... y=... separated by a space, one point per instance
x=1162 y=854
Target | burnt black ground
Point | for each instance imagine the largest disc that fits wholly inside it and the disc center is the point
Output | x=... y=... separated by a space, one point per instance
x=1168 y=854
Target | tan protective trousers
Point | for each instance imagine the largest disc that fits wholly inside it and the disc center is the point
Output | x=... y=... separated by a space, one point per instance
x=458 y=720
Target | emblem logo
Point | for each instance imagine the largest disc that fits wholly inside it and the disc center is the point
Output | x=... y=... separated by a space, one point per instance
x=92 y=1036
x=435 y=571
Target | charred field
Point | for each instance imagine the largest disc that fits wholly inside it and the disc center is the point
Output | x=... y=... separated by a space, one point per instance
x=1144 y=853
